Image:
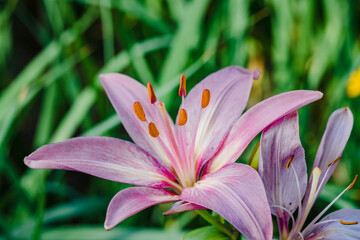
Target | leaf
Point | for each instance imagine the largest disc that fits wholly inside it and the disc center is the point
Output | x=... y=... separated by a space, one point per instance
x=205 y=233
x=254 y=158
x=98 y=232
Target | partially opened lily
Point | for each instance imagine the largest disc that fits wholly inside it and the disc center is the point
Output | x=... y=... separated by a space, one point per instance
x=282 y=168
x=191 y=161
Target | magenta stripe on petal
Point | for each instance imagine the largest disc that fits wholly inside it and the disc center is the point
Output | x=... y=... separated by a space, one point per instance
x=182 y=206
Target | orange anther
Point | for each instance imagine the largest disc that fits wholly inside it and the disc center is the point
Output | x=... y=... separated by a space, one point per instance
x=288 y=163
x=205 y=98
x=139 y=111
x=154 y=132
x=353 y=183
x=333 y=162
x=348 y=223
x=182 y=117
x=151 y=93
x=182 y=87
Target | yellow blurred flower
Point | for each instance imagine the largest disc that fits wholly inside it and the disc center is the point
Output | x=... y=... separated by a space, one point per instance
x=353 y=86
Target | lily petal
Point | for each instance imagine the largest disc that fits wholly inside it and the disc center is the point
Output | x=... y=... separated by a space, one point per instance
x=123 y=92
x=255 y=120
x=207 y=127
x=330 y=228
x=331 y=147
x=333 y=142
x=182 y=206
x=236 y=193
x=282 y=166
x=103 y=157
x=134 y=199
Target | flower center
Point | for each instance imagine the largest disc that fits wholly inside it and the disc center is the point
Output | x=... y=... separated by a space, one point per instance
x=174 y=148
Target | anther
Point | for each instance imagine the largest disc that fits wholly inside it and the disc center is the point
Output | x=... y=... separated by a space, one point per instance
x=348 y=223
x=154 y=132
x=288 y=163
x=205 y=98
x=151 y=93
x=333 y=162
x=353 y=183
x=139 y=111
x=182 y=117
x=182 y=87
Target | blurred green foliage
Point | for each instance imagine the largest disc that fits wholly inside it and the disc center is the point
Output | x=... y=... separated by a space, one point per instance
x=53 y=50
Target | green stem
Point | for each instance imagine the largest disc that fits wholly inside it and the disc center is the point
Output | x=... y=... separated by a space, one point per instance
x=213 y=221
x=37 y=230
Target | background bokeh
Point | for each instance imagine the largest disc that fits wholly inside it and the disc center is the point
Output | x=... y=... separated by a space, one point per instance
x=52 y=51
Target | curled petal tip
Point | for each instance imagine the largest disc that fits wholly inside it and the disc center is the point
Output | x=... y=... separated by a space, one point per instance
x=256 y=74
x=320 y=94
x=102 y=77
x=27 y=161
x=167 y=213
x=346 y=109
x=107 y=228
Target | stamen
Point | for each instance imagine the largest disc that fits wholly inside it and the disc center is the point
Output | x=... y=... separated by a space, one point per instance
x=139 y=111
x=151 y=93
x=288 y=163
x=182 y=117
x=286 y=210
x=348 y=223
x=333 y=162
x=298 y=188
x=182 y=87
x=205 y=99
x=352 y=184
x=154 y=132
x=330 y=204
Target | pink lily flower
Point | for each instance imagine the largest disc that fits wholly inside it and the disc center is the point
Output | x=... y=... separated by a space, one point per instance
x=191 y=162
x=282 y=168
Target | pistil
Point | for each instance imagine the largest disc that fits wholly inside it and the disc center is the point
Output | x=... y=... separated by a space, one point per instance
x=316 y=175
x=330 y=204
